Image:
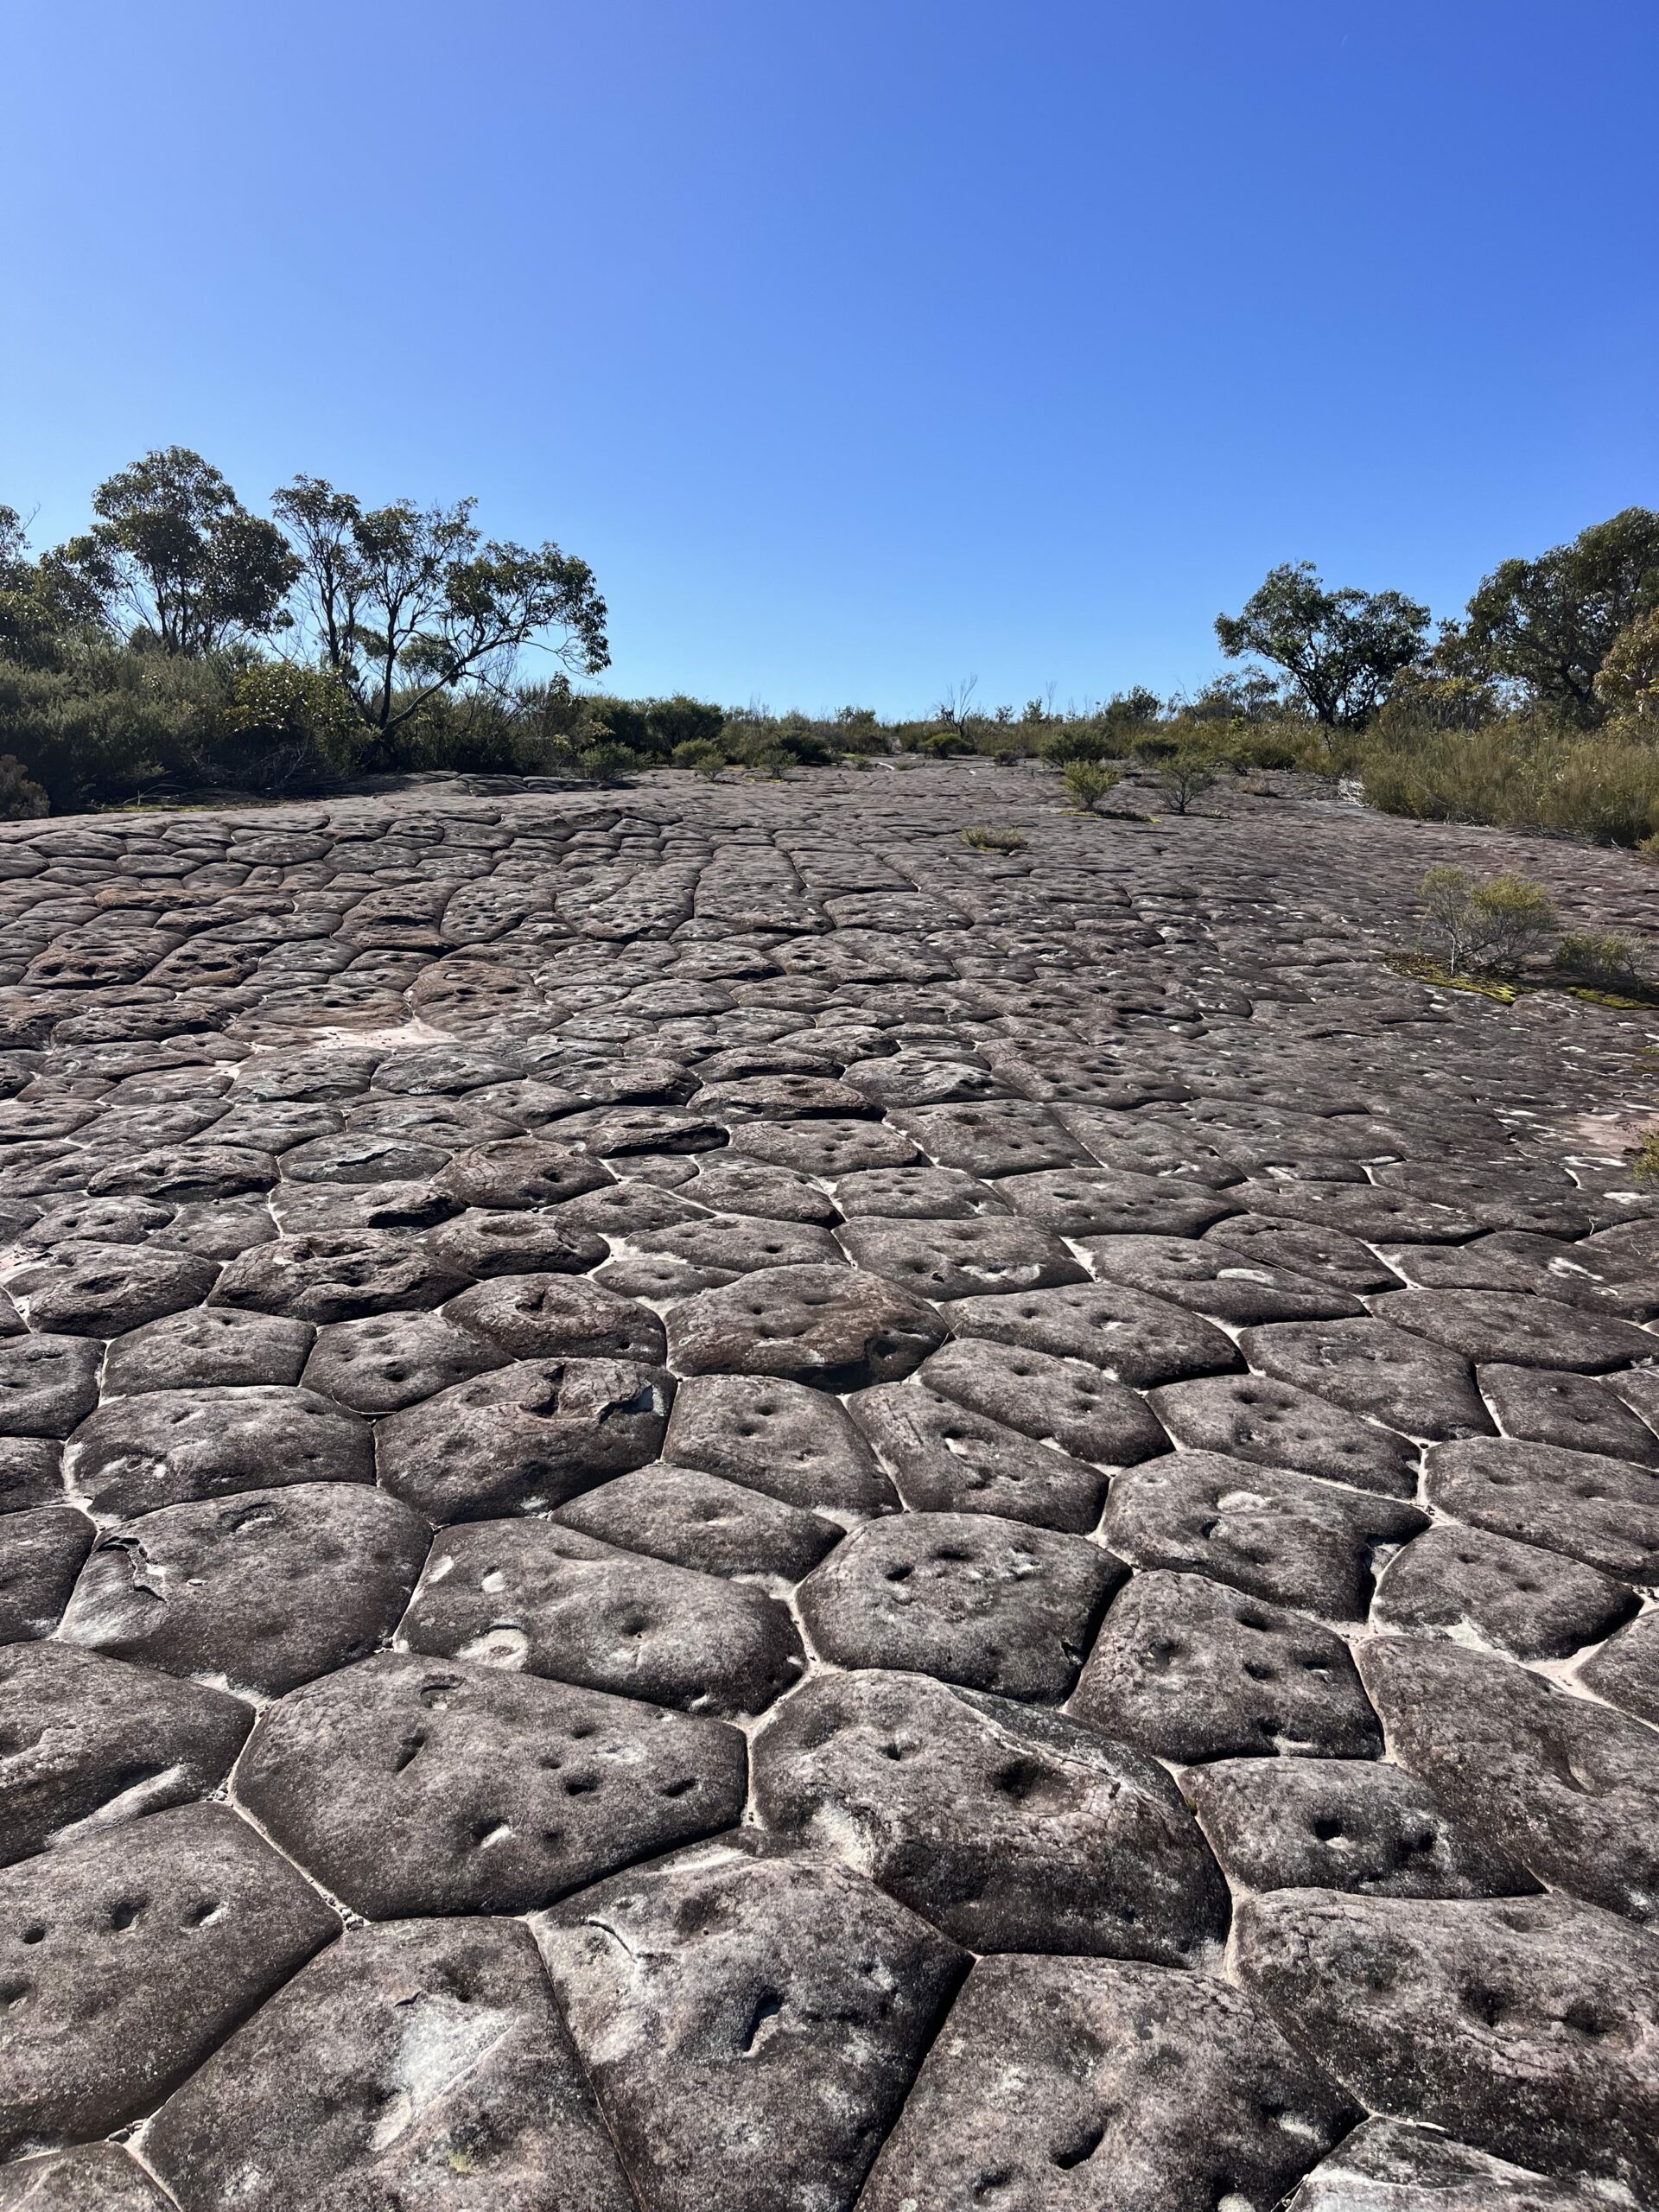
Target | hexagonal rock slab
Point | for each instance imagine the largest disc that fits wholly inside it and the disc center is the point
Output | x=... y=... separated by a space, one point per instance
x=1491 y=1324
x=1573 y=1411
x=46 y=1384
x=129 y=1957
x=1387 y=2167
x=794 y=1443
x=1278 y=1534
x=1010 y=1829
x=1058 y=2085
x=834 y=1328
x=535 y=1594
x=387 y=1361
x=1370 y=1368
x=1066 y=1401
x=703 y=1522
x=558 y=1317
x=340 y=1277
x=1211 y=1279
x=524 y=1437
x=1529 y=2027
x=1342 y=1824
x=960 y=1259
x=1189 y=1670
x=104 y=1290
x=86 y=1740
x=946 y=1459
x=1089 y=1201
x=1568 y=1789
x=92 y=2177
x=991 y=1603
x=1136 y=1339
x=263 y=1590
x=1531 y=1603
x=422 y=2064
x=409 y=1785
x=212 y=1346
x=1625 y=1671
x=168 y=1447
x=40 y=1555
x=1579 y=1504
x=1277 y=1425
x=751 y=2024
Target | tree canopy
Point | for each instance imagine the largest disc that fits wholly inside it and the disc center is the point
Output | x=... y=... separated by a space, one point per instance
x=1549 y=624
x=1340 y=649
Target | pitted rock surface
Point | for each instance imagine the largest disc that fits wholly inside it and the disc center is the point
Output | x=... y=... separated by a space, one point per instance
x=1017 y=1494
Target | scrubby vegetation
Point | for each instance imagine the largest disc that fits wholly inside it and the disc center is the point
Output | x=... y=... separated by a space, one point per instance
x=184 y=643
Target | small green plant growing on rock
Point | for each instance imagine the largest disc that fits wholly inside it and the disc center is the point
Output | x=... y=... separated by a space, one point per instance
x=704 y=756
x=1607 y=961
x=1481 y=927
x=994 y=840
x=1088 y=782
x=1185 y=769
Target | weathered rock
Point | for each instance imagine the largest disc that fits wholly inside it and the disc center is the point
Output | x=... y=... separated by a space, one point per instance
x=1320 y=1255
x=946 y=1459
x=1134 y=1338
x=1532 y=1604
x=130 y=1955
x=416 y=1785
x=1370 y=1368
x=265 y=1589
x=1210 y=1278
x=1010 y=1829
x=1388 y=2166
x=498 y=1241
x=327 y=1278
x=1089 y=1201
x=388 y=1361
x=530 y=1593
x=1568 y=1789
x=986 y=1255
x=728 y=1183
x=700 y=1520
x=991 y=1603
x=29 y=1473
x=1264 y=1529
x=1188 y=1671
x=524 y=1171
x=188 y=1174
x=524 y=1437
x=793 y=1443
x=709 y=1248
x=558 y=1317
x=85 y=1739
x=835 y=1328
x=1007 y=1137
x=1527 y=2026
x=1494 y=1325
x=1579 y=1504
x=211 y=1346
x=1625 y=1671
x=46 y=1383
x=420 y=2065
x=1342 y=1824
x=1058 y=2085
x=1082 y=1410
x=918 y=1194
x=1572 y=1411
x=825 y=1148
x=92 y=2177
x=104 y=1290
x=168 y=1447
x=751 y=2024
x=40 y=1555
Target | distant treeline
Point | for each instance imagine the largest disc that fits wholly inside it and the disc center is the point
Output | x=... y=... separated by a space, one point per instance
x=185 y=642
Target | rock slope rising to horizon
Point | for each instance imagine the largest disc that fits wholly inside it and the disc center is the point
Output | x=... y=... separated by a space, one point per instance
x=709 y=1505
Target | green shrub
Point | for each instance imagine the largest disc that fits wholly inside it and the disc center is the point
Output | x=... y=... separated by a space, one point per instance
x=945 y=743
x=1089 y=781
x=1607 y=961
x=20 y=799
x=994 y=840
x=1185 y=768
x=607 y=764
x=1523 y=773
x=700 y=754
x=1481 y=925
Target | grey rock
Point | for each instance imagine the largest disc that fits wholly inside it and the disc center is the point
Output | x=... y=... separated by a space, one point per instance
x=1135 y=1339
x=1190 y=1671
x=168 y=1447
x=1066 y=1401
x=188 y=1174
x=29 y=1473
x=524 y=1437
x=85 y=1739
x=558 y=1317
x=362 y=1156
x=828 y=1149
x=92 y=2177
x=1009 y=1829
x=1366 y=1210
x=46 y=1383
x=1530 y=1604
x=1579 y=1504
x=265 y=1589
x=983 y=1255
x=751 y=2024
x=498 y=1241
x=834 y=1327
x=129 y=1957
x=1342 y=1824
x=319 y=1277
x=793 y=1443
x=1387 y=2167
x=918 y=1194
x=945 y=1459
x=1527 y=2026
x=1089 y=1201
x=1625 y=1671
x=388 y=1361
x=730 y=1184
x=1573 y=1411
x=1062 y=2085
x=1264 y=1529
x=1568 y=1789
x=104 y=1290
x=703 y=1521
x=991 y=1603
x=40 y=1555
x=1321 y=1254
x=211 y=1346
x=1006 y=1137
x=531 y=1593
x=1525 y=1332
x=1210 y=1278
x=421 y=2065
x=415 y=1785
x=1372 y=1368
x=524 y=1172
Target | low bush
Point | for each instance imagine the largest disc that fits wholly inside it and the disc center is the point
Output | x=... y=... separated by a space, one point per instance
x=994 y=840
x=1607 y=961
x=21 y=800
x=1089 y=781
x=1521 y=772
x=1184 y=768
x=1470 y=925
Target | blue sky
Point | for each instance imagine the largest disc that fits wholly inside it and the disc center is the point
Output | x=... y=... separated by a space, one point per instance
x=861 y=349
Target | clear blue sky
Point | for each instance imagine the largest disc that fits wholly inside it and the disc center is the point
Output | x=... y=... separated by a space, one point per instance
x=861 y=348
